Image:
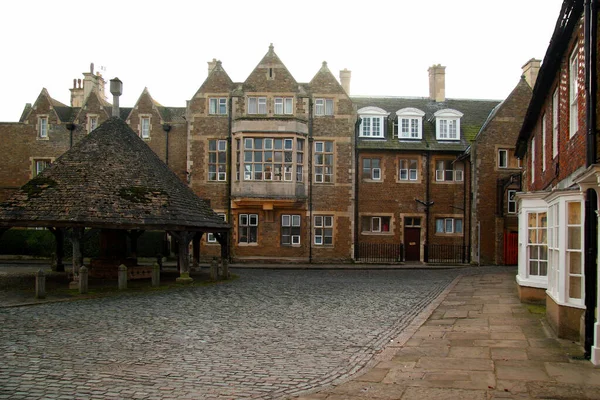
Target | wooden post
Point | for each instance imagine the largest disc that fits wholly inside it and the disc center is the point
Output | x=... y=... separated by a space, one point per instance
x=183 y=242
x=155 y=275
x=83 y=280
x=76 y=239
x=223 y=239
x=214 y=269
x=134 y=235
x=225 y=269
x=196 y=250
x=40 y=285
x=122 y=277
x=59 y=237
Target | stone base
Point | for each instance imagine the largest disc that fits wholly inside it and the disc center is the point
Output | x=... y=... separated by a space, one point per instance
x=565 y=320
x=74 y=285
x=109 y=268
x=532 y=295
x=184 y=280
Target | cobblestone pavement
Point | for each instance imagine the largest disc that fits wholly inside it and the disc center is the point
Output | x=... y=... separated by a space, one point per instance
x=270 y=334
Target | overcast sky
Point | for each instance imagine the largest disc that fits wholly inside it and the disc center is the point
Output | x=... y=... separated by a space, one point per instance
x=165 y=46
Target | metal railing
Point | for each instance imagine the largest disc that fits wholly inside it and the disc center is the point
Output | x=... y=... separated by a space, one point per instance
x=380 y=252
x=447 y=253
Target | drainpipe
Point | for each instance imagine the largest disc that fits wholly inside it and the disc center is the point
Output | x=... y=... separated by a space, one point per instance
x=310 y=178
x=464 y=238
x=71 y=127
x=229 y=165
x=591 y=219
x=167 y=129
x=427 y=189
x=357 y=179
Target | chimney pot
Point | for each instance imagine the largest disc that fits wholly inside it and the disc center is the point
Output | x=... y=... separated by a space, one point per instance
x=437 y=83
x=531 y=70
x=116 y=89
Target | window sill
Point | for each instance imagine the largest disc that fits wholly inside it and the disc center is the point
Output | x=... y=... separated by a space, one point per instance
x=537 y=282
x=373 y=180
x=368 y=233
x=247 y=244
x=42 y=138
x=407 y=181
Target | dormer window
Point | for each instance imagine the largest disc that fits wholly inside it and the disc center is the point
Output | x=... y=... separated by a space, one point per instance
x=372 y=123
x=145 y=127
x=43 y=127
x=410 y=123
x=447 y=124
x=92 y=122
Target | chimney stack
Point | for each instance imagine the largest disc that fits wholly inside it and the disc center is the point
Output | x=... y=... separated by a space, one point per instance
x=531 y=70
x=345 y=80
x=437 y=83
x=76 y=94
x=211 y=65
x=116 y=89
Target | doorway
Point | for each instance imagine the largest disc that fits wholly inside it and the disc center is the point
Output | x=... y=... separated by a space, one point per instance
x=412 y=239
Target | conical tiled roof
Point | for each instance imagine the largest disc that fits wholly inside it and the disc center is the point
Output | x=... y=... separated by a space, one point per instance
x=110 y=179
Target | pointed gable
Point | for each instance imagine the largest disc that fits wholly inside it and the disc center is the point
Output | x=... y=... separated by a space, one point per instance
x=325 y=83
x=270 y=75
x=44 y=105
x=94 y=105
x=218 y=81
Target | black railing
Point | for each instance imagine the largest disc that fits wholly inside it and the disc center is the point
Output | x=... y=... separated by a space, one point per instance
x=380 y=252
x=447 y=253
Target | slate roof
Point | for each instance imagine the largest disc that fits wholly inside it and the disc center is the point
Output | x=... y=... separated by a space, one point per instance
x=475 y=113
x=110 y=179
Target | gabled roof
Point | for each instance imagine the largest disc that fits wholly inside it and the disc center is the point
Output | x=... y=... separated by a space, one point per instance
x=281 y=80
x=54 y=104
x=475 y=113
x=110 y=179
x=325 y=82
x=570 y=15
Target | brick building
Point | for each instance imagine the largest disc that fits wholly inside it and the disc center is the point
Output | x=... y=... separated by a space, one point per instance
x=414 y=183
x=302 y=171
x=558 y=217
x=496 y=176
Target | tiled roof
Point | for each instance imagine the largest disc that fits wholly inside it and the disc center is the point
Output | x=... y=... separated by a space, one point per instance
x=65 y=113
x=110 y=179
x=475 y=114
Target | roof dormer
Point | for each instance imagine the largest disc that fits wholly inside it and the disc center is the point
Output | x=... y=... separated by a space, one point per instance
x=447 y=124
x=410 y=123
x=372 y=124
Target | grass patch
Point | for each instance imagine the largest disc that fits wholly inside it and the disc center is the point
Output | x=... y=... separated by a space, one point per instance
x=536 y=309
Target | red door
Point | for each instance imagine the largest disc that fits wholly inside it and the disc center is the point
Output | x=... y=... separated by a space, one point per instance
x=511 y=248
x=412 y=244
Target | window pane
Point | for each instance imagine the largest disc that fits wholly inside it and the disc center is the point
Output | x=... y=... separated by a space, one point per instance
x=574 y=239
x=574 y=262
x=439 y=225
x=574 y=213
x=575 y=287
x=285 y=220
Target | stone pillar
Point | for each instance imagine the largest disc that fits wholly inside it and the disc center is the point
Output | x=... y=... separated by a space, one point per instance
x=155 y=275
x=214 y=269
x=196 y=251
x=83 y=280
x=122 y=277
x=40 y=285
x=76 y=239
x=225 y=268
x=159 y=261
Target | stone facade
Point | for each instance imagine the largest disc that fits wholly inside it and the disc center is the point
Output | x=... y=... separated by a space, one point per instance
x=284 y=161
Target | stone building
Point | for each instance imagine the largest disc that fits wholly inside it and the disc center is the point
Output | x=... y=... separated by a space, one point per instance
x=558 y=218
x=302 y=171
x=496 y=176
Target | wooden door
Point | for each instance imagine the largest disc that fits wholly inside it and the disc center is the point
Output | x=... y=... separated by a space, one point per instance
x=412 y=244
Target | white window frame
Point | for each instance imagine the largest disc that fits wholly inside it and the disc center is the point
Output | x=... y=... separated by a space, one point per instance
x=502 y=156
x=257 y=105
x=218 y=175
x=537 y=231
x=210 y=237
x=291 y=221
x=217 y=105
x=324 y=172
x=555 y=123
x=248 y=221
x=375 y=172
x=457 y=174
x=511 y=201
x=372 y=124
x=544 y=140
x=145 y=127
x=411 y=174
x=449 y=226
x=323 y=229
x=574 y=226
x=573 y=92
x=38 y=163
x=414 y=123
x=43 y=127
x=447 y=124
x=92 y=123
x=284 y=106
x=323 y=107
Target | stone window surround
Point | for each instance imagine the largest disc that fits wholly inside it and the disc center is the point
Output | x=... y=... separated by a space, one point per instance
x=141 y=123
x=90 y=118
x=381 y=219
x=33 y=161
x=291 y=228
x=445 y=218
x=41 y=134
x=217 y=101
x=376 y=173
x=573 y=92
x=322 y=109
x=323 y=227
x=456 y=177
x=250 y=226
